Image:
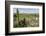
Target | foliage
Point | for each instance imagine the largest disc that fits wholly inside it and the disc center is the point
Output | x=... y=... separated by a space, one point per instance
x=25 y=20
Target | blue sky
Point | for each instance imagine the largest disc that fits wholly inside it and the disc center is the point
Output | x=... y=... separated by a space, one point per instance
x=27 y=10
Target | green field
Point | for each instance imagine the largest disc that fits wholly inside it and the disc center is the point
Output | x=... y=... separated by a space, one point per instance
x=26 y=20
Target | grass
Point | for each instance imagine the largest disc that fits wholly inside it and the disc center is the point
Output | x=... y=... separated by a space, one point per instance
x=30 y=20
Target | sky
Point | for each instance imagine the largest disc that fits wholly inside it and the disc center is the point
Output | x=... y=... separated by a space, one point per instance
x=27 y=10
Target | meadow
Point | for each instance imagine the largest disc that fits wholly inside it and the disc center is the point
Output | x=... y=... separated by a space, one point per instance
x=26 y=20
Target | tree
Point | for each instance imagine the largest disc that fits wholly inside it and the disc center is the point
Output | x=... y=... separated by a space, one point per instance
x=18 y=15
